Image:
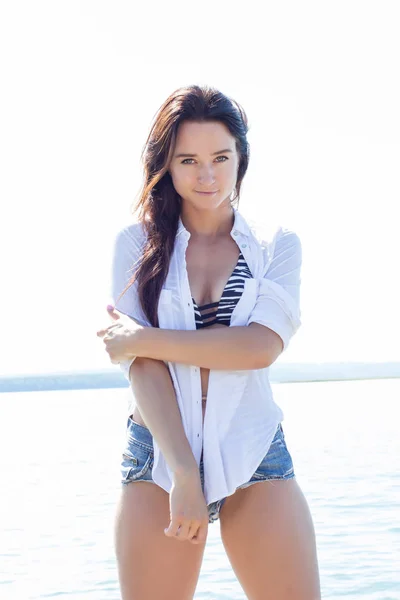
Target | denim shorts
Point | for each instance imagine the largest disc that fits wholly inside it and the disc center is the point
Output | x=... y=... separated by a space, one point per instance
x=138 y=458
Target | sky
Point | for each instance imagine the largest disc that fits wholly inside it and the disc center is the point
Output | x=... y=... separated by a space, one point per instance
x=82 y=82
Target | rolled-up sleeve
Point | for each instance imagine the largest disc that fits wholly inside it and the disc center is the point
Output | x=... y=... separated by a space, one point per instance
x=127 y=250
x=278 y=301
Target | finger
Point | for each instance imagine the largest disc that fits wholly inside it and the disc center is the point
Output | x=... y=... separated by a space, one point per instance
x=114 y=314
x=183 y=532
x=201 y=536
x=173 y=528
x=107 y=329
x=102 y=332
x=112 y=327
x=192 y=533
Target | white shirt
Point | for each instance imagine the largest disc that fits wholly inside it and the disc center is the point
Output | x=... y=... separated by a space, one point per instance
x=241 y=416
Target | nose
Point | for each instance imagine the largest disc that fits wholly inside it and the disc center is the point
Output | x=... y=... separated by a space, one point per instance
x=206 y=176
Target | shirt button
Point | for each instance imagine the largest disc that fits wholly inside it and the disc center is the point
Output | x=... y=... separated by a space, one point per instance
x=235 y=232
x=244 y=245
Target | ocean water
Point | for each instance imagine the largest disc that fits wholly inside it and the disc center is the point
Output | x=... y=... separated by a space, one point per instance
x=59 y=461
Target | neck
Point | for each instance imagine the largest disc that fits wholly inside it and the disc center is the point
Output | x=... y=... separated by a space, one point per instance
x=208 y=225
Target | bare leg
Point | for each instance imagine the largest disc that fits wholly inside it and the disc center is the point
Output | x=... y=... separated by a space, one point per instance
x=268 y=534
x=150 y=564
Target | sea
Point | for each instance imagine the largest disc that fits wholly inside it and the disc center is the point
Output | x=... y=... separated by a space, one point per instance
x=59 y=461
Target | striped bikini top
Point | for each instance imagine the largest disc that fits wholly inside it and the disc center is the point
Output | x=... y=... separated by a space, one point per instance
x=220 y=312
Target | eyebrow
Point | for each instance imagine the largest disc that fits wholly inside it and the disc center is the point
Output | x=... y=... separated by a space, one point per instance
x=213 y=154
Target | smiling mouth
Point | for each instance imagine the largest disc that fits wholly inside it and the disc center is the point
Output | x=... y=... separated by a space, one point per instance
x=206 y=192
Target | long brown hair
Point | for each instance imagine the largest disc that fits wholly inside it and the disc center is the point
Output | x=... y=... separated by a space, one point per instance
x=159 y=205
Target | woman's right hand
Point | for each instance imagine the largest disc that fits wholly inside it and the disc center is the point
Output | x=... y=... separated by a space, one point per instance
x=188 y=510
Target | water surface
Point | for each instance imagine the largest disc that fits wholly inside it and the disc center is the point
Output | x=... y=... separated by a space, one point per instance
x=59 y=459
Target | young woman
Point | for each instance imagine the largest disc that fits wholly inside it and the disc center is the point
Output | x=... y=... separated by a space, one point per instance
x=204 y=303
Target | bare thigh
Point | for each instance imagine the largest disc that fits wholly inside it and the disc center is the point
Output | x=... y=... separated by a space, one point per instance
x=268 y=535
x=151 y=565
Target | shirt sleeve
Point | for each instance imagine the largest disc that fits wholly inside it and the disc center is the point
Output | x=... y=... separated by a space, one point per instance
x=127 y=251
x=278 y=301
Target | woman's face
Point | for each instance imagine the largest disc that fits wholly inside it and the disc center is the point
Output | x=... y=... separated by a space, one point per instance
x=212 y=166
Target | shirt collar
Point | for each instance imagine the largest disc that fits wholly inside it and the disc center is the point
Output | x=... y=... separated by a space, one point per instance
x=239 y=224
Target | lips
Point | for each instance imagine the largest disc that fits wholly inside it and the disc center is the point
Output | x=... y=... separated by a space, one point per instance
x=207 y=192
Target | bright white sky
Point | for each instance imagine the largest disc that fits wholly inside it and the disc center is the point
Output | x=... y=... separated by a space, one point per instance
x=81 y=83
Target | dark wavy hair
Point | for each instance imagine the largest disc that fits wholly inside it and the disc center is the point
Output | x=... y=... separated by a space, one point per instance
x=159 y=205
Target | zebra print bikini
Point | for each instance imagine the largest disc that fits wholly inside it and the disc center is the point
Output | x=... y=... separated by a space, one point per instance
x=220 y=312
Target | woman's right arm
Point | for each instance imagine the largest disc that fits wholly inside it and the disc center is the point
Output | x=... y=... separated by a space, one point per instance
x=155 y=397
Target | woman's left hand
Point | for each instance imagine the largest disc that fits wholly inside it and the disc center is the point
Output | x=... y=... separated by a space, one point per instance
x=120 y=336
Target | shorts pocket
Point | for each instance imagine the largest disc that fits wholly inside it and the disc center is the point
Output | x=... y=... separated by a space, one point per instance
x=136 y=463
